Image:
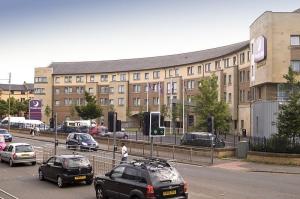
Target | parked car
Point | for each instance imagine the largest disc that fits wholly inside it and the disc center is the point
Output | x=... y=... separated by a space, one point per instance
x=141 y=179
x=7 y=136
x=15 y=153
x=2 y=142
x=119 y=134
x=81 y=141
x=201 y=139
x=66 y=169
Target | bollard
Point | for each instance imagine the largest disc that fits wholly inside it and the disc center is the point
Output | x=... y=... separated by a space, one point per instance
x=136 y=136
x=191 y=153
x=173 y=152
x=212 y=151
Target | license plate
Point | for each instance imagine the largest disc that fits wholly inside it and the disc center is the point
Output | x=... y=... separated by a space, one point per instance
x=24 y=155
x=168 y=193
x=80 y=177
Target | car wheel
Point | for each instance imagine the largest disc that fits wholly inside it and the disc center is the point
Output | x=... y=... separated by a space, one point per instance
x=33 y=163
x=11 y=163
x=41 y=175
x=100 y=193
x=89 y=182
x=60 y=182
x=126 y=137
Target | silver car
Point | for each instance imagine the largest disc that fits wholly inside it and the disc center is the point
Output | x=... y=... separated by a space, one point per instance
x=18 y=153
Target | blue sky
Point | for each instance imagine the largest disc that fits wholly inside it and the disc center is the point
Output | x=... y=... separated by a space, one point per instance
x=34 y=33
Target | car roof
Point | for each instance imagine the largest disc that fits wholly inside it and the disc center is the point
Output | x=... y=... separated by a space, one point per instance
x=149 y=163
x=18 y=144
x=200 y=133
x=70 y=156
x=79 y=133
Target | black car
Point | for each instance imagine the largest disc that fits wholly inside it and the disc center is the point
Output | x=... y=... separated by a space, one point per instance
x=6 y=134
x=81 y=141
x=203 y=139
x=147 y=178
x=66 y=169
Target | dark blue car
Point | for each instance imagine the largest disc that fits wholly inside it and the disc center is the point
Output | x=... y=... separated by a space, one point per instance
x=6 y=134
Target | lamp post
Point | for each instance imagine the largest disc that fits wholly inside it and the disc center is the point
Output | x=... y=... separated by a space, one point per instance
x=9 y=82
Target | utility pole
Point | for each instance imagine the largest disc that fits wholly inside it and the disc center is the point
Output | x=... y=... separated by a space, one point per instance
x=9 y=82
x=115 y=147
x=55 y=141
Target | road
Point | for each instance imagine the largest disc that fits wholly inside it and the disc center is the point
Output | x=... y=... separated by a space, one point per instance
x=220 y=181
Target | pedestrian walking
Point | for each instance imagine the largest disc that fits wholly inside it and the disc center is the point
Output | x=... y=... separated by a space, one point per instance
x=37 y=130
x=124 y=153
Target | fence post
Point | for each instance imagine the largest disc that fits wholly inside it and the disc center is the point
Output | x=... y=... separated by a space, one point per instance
x=136 y=136
x=157 y=151
x=130 y=146
x=107 y=144
x=173 y=152
x=191 y=153
x=94 y=164
x=143 y=148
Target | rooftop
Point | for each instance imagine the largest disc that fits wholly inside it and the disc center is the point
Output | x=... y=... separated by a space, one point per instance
x=122 y=65
x=16 y=87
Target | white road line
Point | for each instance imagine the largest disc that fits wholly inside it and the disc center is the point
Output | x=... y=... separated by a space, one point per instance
x=1 y=190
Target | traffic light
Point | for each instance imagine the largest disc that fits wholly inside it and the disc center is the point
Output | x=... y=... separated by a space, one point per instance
x=209 y=121
x=119 y=124
x=111 y=121
x=155 y=127
x=146 y=123
x=51 y=121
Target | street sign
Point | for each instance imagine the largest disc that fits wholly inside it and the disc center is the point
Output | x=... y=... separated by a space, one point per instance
x=155 y=128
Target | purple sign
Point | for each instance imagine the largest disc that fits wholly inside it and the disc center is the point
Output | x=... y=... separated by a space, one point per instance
x=35 y=109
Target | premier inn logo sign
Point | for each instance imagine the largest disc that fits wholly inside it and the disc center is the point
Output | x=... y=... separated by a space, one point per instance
x=260 y=49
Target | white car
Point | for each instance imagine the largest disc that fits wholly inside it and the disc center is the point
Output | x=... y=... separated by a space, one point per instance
x=15 y=153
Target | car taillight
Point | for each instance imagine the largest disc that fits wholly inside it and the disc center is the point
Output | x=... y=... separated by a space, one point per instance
x=150 y=192
x=185 y=187
x=14 y=156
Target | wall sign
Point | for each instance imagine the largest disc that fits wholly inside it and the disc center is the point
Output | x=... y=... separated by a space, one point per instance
x=260 y=49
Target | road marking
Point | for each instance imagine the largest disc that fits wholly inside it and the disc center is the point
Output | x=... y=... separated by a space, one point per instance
x=237 y=166
x=1 y=190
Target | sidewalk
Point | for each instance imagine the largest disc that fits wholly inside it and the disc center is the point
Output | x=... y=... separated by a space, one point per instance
x=228 y=163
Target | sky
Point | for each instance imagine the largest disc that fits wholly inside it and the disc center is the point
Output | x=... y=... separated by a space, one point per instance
x=34 y=33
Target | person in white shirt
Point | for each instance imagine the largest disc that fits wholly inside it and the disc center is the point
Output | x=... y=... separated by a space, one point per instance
x=124 y=153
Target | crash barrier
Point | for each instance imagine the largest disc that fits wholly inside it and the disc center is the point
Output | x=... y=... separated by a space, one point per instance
x=6 y=195
x=186 y=154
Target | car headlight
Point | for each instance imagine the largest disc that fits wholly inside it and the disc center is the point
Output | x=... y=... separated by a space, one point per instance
x=83 y=143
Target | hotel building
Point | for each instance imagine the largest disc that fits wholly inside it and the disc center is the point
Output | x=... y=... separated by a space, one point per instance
x=249 y=78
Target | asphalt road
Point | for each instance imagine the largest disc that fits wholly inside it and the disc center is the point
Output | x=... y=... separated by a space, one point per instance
x=203 y=182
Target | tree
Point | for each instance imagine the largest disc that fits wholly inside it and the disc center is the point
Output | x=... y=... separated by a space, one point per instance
x=3 y=108
x=90 y=110
x=207 y=104
x=47 y=111
x=73 y=112
x=288 y=118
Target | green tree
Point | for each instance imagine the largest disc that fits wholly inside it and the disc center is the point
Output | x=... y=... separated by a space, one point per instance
x=207 y=104
x=288 y=118
x=47 y=111
x=90 y=110
x=3 y=108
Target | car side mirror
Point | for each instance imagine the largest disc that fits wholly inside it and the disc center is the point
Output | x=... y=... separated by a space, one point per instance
x=107 y=174
x=58 y=164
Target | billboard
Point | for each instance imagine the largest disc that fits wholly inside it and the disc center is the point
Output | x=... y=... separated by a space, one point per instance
x=260 y=49
x=35 y=109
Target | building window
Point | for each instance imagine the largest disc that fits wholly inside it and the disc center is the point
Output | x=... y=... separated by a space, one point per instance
x=199 y=69
x=241 y=96
x=176 y=71
x=224 y=96
x=121 y=101
x=234 y=60
x=295 y=65
x=67 y=101
x=218 y=65
x=121 y=89
x=136 y=101
x=92 y=78
x=68 y=79
x=242 y=58
x=295 y=40
x=137 y=88
x=136 y=76
x=229 y=98
x=113 y=78
x=57 y=102
x=111 y=101
x=79 y=79
x=248 y=95
x=207 y=67
x=104 y=78
x=174 y=87
x=242 y=124
x=57 y=90
x=79 y=90
x=145 y=101
x=146 y=75
x=155 y=101
x=57 y=80
x=91 y=90
x=37 y=91
x=111 y=89
x=104 y=101
x=190 y=70
x=229 y=79
x=191 y=84
x=123 y=77
x=156 y=74
x=224 y=80
x=241 y=76
x=248 y=75
x=226 y=63
x=104 y=89
x=68 y=90
x=248 y=56
x=40 y=80
x=171 y=72
x=79 y=101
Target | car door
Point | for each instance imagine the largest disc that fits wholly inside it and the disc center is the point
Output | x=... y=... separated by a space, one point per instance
x=4 y=153
x=112 y=185
x=47 y=171
x=8 y=153
x=57 y=168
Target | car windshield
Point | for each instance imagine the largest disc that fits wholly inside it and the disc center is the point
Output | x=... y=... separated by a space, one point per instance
x=165 y=174
x=76 y=162
x=86 y=137
x=24 y=148
x=3 y=131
